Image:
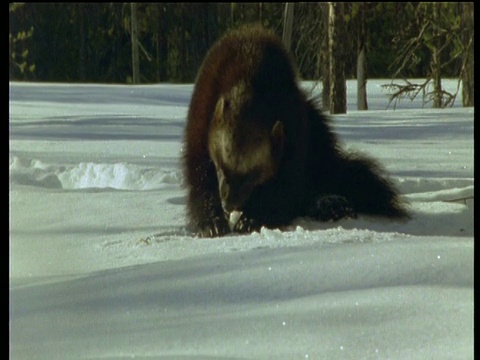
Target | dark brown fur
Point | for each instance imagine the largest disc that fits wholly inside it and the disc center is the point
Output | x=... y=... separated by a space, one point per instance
x=314 y=176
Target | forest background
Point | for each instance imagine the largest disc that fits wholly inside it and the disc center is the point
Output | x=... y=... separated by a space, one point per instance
x=92 y=42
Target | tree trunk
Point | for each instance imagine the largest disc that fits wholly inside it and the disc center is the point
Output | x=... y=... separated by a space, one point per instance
x=338 y=90
x=324 y=59
x=436 y=61
x=134 y=33
x=287 y=25
x=361 y=61
x=160 y=45
x=468 y=68
x=232 y=14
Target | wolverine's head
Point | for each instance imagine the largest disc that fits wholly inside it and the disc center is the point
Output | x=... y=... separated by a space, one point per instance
x=246 y=150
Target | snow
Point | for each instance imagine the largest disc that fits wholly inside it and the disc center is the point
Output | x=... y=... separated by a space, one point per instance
x=102 y=267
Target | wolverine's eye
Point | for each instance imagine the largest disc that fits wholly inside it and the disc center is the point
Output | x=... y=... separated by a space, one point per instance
x=226 y=104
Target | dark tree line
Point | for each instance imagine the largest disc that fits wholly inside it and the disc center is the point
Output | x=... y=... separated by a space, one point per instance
x=92 y=42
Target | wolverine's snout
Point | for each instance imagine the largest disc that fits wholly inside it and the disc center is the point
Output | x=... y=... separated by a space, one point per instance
x=230 y=203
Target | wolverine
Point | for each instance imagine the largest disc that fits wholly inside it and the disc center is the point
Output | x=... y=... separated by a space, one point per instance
x=258 y=152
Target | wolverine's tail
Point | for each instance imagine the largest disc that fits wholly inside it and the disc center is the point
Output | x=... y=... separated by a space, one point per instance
x=362 y=180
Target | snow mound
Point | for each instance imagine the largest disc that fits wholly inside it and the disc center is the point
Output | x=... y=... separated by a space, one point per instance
x=88 y=175
x=431 y=189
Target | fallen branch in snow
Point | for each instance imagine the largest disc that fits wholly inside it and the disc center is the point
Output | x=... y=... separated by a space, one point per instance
x=411 y=90
x=462 y=199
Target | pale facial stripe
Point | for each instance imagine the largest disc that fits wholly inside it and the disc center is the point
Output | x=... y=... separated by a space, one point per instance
x=258 y=156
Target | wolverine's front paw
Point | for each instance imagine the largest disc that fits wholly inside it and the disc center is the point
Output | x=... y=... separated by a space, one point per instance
x=331 y=208
x=246 y=225
x=218 y=226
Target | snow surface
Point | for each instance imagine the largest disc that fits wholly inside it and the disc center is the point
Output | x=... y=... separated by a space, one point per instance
x=101 y=266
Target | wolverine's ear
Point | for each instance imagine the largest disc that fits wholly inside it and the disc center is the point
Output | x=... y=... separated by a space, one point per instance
x=277 y=138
